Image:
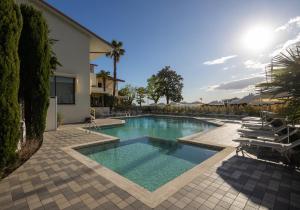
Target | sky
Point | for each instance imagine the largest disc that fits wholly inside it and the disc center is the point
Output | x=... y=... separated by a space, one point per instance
x=219 y=47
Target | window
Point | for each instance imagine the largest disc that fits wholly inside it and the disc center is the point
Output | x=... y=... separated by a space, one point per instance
x=99 y=84
x=63 y=88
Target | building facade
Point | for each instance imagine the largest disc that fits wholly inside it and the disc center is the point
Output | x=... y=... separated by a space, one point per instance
x=76 y=47
x=101 y=88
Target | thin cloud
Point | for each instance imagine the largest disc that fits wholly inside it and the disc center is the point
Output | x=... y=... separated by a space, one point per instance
x=228 y=67
x=250 y=64
x=239 y=84
x=285 y=45
x=210 y=88
x=219 y=60
x=293 y=21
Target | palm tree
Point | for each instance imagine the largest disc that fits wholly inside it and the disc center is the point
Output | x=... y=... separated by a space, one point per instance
x=285 y=79
x=116 y=53
x=284 y=74
x=104 y=75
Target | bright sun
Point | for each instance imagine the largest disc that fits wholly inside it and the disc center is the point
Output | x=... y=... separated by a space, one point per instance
x=257 y=38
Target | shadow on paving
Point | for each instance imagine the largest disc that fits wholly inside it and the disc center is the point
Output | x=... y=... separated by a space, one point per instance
x=266 y=184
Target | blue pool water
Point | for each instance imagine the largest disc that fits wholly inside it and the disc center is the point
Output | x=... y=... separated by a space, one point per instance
x=148 y=162
x=168 y=128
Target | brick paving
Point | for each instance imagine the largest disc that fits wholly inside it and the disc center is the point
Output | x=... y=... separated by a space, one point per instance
x=52 y=179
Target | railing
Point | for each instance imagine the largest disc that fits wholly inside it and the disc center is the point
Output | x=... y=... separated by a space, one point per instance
x=92 y=114
x=96 y=89
x=91 y=122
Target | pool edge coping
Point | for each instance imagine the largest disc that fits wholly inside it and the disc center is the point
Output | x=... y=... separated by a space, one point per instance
x=151 y=199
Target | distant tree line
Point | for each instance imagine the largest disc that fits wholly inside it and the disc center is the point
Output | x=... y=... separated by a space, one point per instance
x=166 y=83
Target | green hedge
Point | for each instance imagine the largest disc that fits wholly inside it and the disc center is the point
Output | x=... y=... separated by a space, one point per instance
x=10 y=28
x=211 y=110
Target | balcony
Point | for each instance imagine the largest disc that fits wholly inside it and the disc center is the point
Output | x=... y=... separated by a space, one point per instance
x=95 y=89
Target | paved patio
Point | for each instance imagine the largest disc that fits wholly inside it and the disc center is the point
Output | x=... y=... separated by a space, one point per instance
x=213 y=137
x=52 y=179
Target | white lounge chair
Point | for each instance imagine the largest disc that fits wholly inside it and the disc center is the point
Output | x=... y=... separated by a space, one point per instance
x=284 y=149
x=279 y=138
x=260 y=123
x=260 y=129
x=264 y=116
x=251 y=119
x=255 y=133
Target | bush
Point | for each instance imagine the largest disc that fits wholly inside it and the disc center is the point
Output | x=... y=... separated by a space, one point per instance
x=35 y=56
x=10 y=28
x=197 y=110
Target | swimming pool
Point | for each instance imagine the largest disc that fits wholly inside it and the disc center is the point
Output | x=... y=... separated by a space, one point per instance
x=146 y=161
x=148 y=152
x=168 y=128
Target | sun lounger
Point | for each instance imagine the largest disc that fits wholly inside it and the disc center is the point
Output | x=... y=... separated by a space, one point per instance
x=284 y=149
x=251 y=119
x=259 y=123
x=278 y=138
x=246 y=132
x=257 y=133
x=271 y=128
x=265 y=117
x=257 y=126
x=271 y=125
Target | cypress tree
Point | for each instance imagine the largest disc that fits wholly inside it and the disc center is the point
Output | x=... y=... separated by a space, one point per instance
x=10 y=28
x=35 y=69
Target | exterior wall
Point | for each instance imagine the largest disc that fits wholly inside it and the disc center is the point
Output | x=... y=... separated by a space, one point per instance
x=72 y=50
x=94 y=84
x=51 y=122
x=93 y=79
x=109 y=85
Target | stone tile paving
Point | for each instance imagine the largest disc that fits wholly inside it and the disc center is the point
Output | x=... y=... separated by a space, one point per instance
x=221 y=136
x=51 y=180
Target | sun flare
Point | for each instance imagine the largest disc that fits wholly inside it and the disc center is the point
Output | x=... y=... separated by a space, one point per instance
x=257 y=38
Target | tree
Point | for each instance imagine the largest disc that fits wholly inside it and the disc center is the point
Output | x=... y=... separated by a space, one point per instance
x=36 y=62
x=152 y=89
x=116 y=53
x=10 y=30
x=170 y=84
x=140 y=95
x=104 y=75
x=53 y=60
x=285 y=78
x=129 y=93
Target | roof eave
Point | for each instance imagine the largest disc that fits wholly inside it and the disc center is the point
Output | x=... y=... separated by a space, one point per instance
x=53 y=9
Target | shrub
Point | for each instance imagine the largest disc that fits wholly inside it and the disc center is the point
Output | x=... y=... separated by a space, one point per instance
x=10 y=29
x=198 y=110
x=35 y=56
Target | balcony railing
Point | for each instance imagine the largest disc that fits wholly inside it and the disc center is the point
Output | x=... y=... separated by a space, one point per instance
x=96 y=89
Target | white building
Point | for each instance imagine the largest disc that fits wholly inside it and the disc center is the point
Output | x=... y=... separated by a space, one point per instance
x=102 y=87
x=75 y=49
